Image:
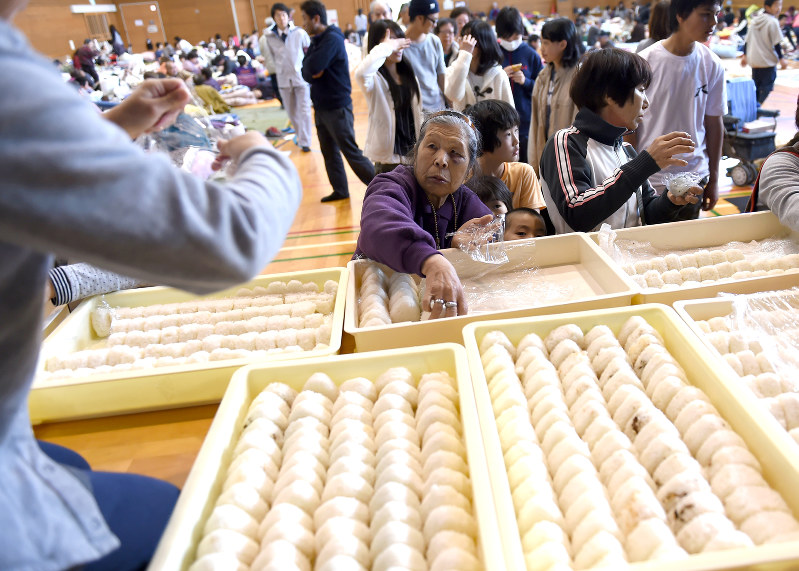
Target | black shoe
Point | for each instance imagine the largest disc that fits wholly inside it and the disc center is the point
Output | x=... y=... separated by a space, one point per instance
x=306 y=149
x=335 y=196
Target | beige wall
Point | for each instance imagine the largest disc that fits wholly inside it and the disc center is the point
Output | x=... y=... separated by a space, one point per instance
x=49 y=24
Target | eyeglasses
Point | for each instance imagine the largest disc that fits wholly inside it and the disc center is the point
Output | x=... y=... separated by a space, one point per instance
x=434 y=21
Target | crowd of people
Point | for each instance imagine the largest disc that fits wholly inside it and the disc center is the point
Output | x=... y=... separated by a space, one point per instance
x=544 y=123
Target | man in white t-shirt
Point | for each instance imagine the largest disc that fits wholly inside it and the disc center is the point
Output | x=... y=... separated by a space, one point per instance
x=688 y=93
x=425 y=53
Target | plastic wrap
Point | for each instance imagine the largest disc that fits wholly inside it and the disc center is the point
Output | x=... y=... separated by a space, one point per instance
x=665 y=268
x=191 y=141
x=773 y=322
x=476 y=239
x=680 y=183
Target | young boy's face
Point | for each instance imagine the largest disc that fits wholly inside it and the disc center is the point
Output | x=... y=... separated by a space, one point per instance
x=521 y=225
x=701 y=23
x=497 y=207
x=508 y=150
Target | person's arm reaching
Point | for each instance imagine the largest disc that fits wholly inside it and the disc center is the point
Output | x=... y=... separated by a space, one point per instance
x=74 y=282
x=97 y=197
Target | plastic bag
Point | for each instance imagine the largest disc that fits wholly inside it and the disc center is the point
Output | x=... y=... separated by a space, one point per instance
x=680 y=183
x=476 y=240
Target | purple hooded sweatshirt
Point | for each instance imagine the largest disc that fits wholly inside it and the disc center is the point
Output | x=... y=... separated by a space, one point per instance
x=397 y=222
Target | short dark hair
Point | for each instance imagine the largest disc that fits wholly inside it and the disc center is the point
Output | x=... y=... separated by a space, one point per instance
x=443 y=22
x=460 y=10
x=524 y=210
x=613 y=73
x=491 y=116
x=315 y=8
x=683 y=9
x=768 y=3
x=561 y=29
x=659 y=27
x=533 y=38
x=279 y=7
x=488 y=188
x=490 y=55
x=509 y=22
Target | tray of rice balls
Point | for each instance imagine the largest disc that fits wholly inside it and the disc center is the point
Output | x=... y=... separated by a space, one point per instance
x=623 y=446
x=160 y=347
x=371 y=461
x=512 y=279
x=756 y=338
x=742 y=253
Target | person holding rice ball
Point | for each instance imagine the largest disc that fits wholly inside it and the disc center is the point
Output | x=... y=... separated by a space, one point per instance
x=75 y=185
x=589 y=176
x=409 y=213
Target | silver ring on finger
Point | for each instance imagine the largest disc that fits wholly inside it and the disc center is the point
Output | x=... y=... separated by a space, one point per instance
x=435 y=301
x=450 y=304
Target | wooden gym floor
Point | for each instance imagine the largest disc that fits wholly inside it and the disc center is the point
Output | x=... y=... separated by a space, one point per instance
x=164 y=444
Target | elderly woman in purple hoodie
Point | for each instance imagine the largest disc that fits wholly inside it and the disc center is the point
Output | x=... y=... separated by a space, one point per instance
x=408 y=212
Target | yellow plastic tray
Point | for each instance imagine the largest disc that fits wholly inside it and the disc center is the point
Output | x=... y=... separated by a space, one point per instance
x=178 y=545
x=568 y=258
x=754 y=425
x=709 y=233
x=158 y=388
x=703 y=309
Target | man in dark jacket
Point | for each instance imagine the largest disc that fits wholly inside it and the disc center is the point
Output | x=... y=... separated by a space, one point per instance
x=326 y=68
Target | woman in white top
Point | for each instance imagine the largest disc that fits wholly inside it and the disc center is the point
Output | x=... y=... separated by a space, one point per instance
x=392 y=92
x=477 y=74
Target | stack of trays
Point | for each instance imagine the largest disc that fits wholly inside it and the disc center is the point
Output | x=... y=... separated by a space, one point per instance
x=665 y=466
x=90 y=394
x=572 y=260
x=230 y=439
x=713 y=232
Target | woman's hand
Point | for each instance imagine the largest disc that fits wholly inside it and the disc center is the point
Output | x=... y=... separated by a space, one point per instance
x=396 y=44
x=466 y=233
x=444 y=294
x=153 y=106
x=663 y=149
x=233 y=149
x=467 y=43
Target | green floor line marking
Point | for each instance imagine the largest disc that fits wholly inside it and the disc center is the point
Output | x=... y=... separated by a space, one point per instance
x=312 y=257
x=322 y=234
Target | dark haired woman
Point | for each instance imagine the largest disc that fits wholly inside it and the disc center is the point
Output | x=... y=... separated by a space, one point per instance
x=552 y=109
x=392 y=93
x=116 y=41
x=522 y=64
x=476 y=74
x=588 y=175
x=658 y=26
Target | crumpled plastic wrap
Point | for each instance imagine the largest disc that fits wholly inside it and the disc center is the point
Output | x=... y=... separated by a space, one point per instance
x=679 y=183
x=191 y=141
x=476 y=239
x=773 y=321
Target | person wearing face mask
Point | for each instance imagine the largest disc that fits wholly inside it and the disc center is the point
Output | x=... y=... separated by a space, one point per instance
x=522 y=64
x=392 y=93
x=588 y=175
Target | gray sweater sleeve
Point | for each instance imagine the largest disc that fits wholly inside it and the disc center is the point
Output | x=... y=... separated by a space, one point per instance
x=779 y=187
x=78 y=281
x=75 y=185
